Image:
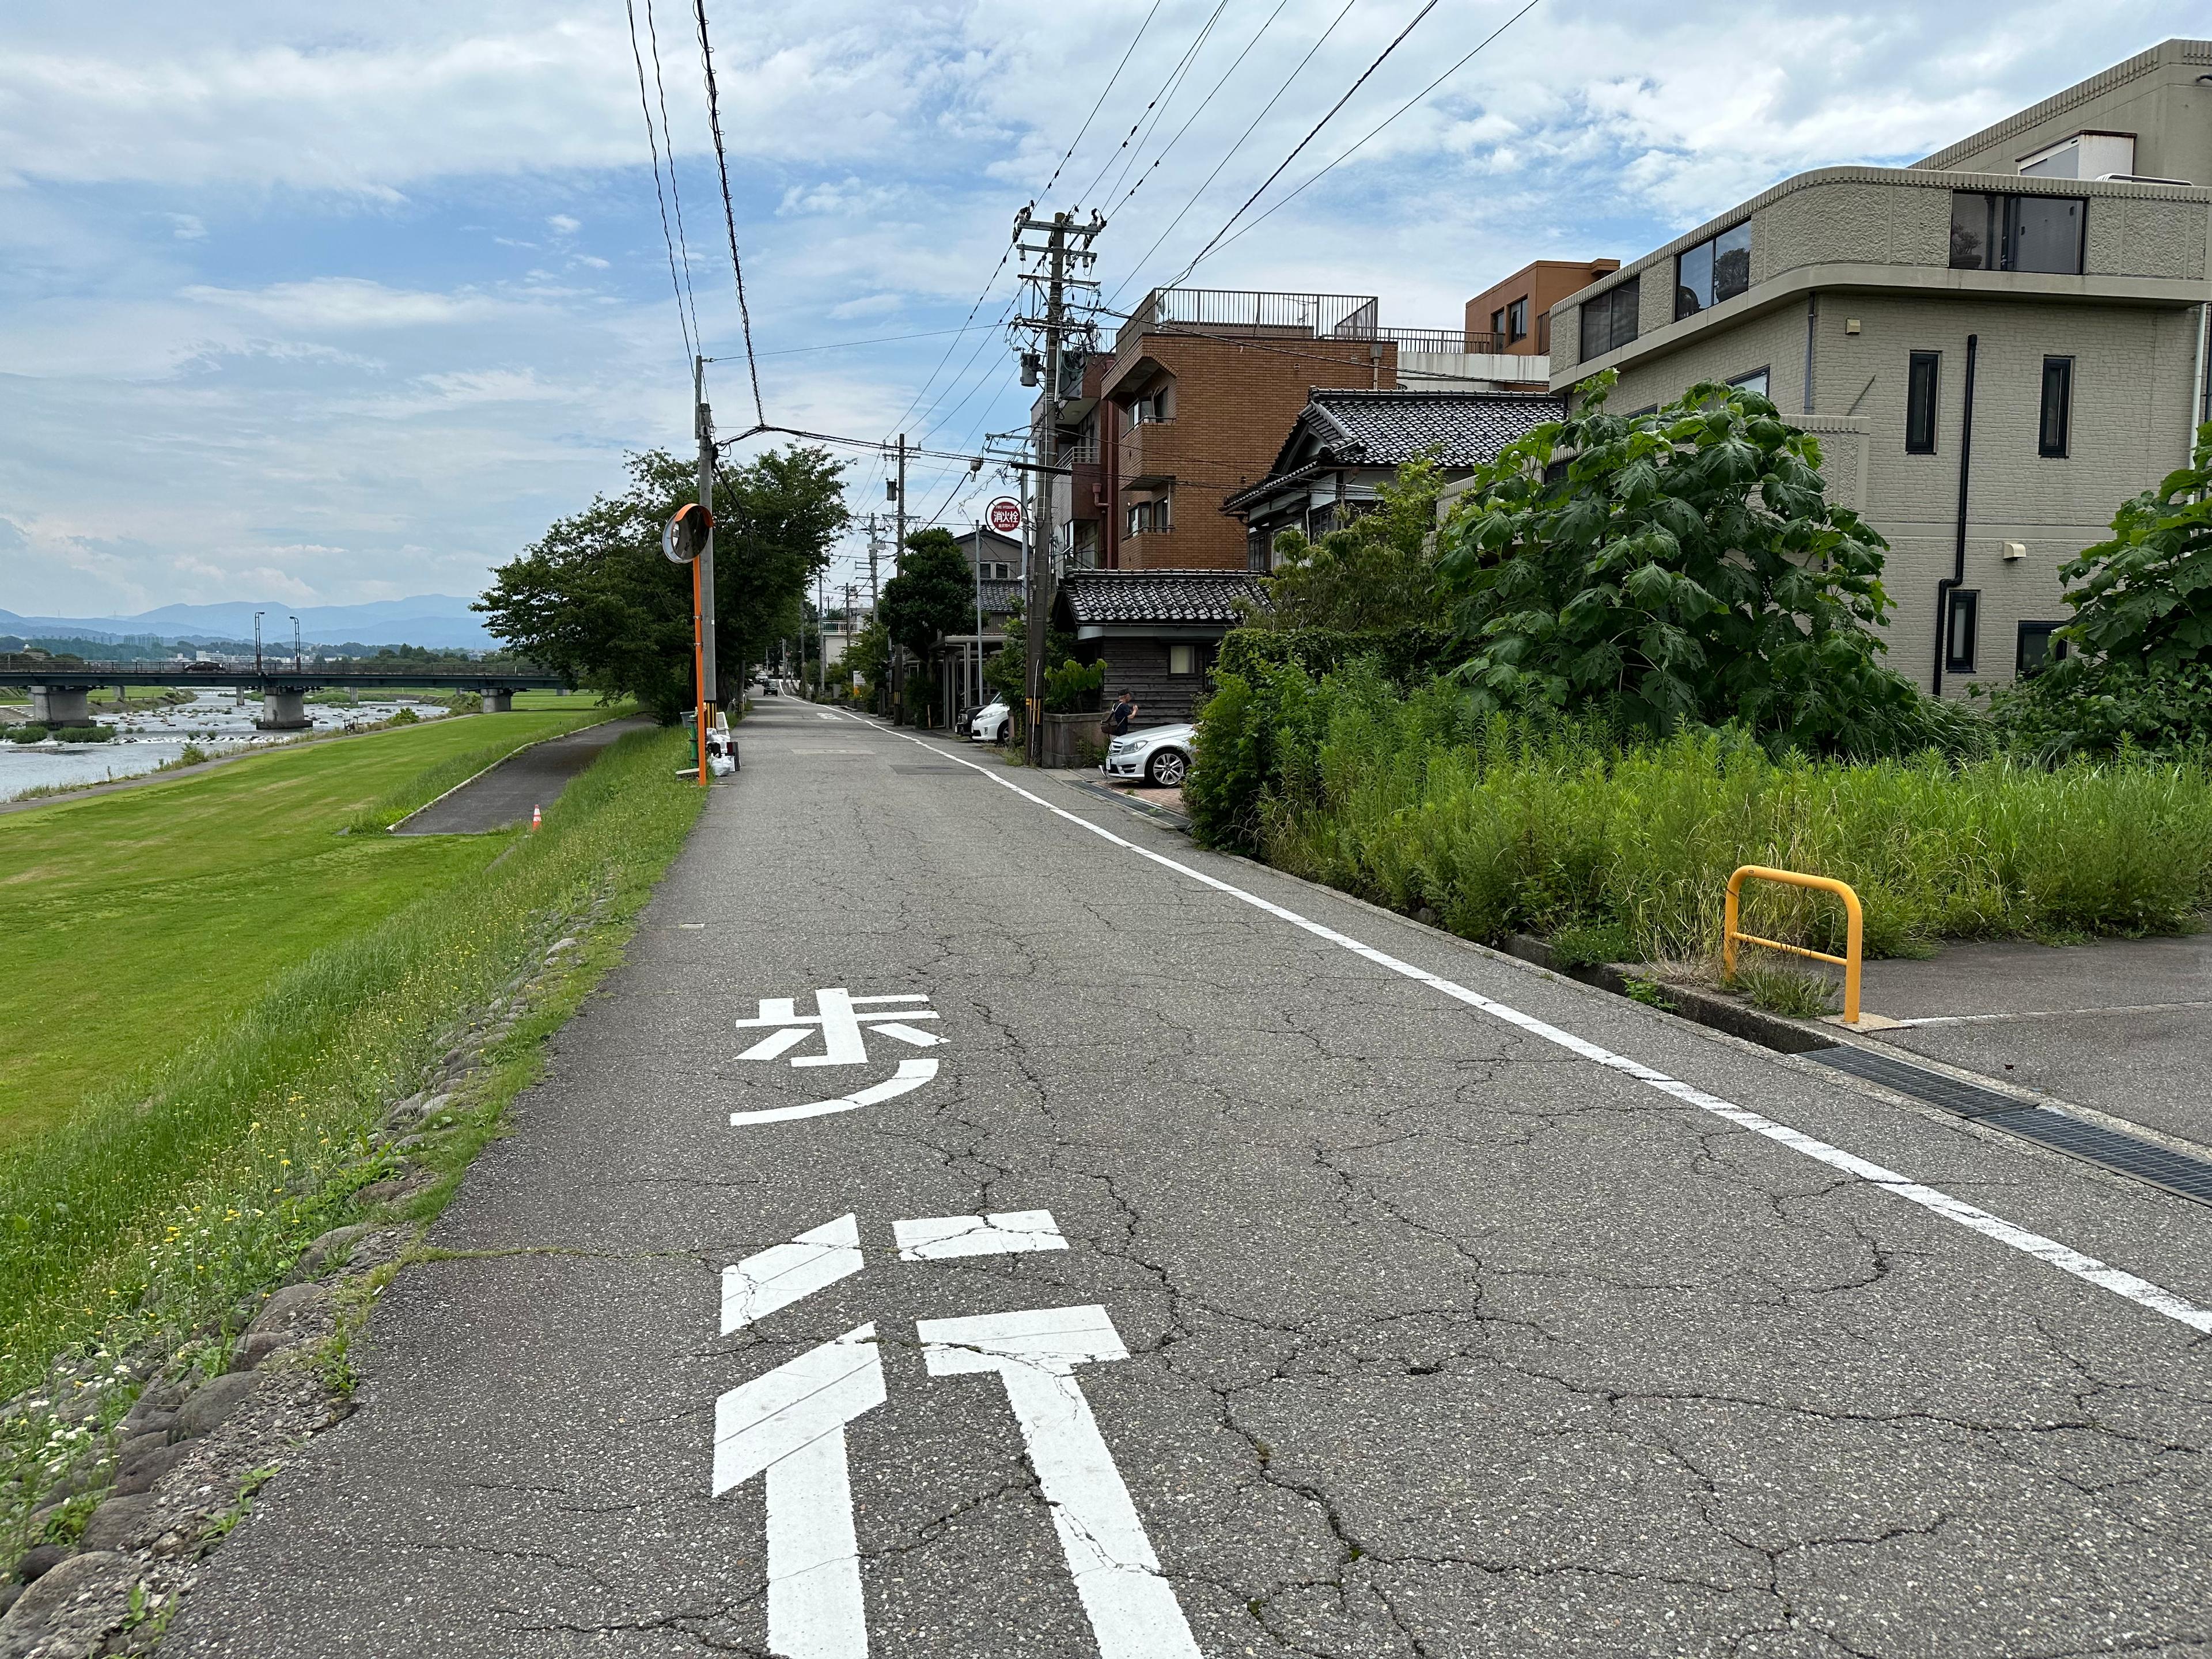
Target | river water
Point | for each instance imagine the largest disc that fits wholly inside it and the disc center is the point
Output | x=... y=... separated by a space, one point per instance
x=217 y=721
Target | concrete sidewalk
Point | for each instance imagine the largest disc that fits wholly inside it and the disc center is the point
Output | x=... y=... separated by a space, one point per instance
x=2121 y=1025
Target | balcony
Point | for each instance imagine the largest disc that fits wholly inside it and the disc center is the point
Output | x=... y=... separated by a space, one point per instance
x=1149 y=454
x=1440 y=342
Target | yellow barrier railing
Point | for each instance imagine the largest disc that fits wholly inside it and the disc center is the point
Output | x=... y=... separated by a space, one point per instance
x=1853 y=934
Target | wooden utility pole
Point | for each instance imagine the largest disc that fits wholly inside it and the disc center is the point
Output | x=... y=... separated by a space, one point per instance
x=1067 y=246
x=709 y=686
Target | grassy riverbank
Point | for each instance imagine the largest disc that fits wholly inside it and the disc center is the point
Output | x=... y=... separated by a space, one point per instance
x=165 y=1194
x=138 y=920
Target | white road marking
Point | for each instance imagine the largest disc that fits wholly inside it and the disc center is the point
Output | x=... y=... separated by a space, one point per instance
x=2087 y=1268
x=842 y=1018
x=791 y=1424
x=1132 y=1610
x=778 y=1277
x=912 y=1074
x=2053 y=1013
x=1005 y=1232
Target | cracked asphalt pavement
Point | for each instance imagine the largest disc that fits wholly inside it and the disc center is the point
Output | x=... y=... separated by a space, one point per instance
x=1444 y=1340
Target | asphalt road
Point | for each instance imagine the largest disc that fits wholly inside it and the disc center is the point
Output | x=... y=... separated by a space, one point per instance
x=1454 y=1323
x=510 y=791
x=2121 y=1025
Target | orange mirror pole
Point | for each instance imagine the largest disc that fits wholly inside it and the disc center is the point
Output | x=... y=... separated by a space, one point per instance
x=699 y=669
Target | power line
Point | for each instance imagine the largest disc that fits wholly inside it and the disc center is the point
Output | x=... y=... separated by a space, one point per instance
x=1201 y=109
x=1174 y=74
x=1396 y=41
x=668 y=143
x=1230 y=152
x=1168 y=94
x=1099 y=102
x=1387 y=120
x=652 y=144
x=729 y=210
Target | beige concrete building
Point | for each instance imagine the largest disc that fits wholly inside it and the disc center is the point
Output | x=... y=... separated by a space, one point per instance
x=1993 y=360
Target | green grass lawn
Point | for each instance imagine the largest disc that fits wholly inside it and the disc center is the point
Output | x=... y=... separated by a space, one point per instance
x=139 y=920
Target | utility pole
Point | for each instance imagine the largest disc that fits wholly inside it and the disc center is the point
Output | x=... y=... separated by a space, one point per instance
x=1066 y=247
x=710 y=685
x=975 y=692
x=821 y=641
x=875 y=537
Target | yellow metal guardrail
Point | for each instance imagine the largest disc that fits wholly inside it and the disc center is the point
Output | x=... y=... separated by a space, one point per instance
x=1854 y=935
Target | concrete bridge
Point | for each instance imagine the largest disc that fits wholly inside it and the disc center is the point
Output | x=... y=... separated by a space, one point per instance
x=61 y=694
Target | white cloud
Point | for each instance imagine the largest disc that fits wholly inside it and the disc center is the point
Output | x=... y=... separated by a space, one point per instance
x=186 y=226
x=345 y=303
x=565 y=225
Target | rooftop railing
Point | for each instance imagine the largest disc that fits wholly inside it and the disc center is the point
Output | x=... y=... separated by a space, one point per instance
x=1313 y=316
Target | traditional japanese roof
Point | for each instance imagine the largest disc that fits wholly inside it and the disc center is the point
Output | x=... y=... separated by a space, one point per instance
x=1460 y=429
x=1123 y=598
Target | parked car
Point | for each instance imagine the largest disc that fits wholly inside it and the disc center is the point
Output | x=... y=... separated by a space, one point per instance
x=1160 y=754
x=989 y=725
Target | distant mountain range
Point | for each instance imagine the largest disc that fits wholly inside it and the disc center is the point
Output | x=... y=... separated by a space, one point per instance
x=430 y=619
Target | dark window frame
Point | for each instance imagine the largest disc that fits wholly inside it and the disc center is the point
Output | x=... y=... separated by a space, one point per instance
x=1764 y=374
x=2002 y=229
x=1922 y=411
x=1516 y=320
x=2054 y=424
x=1616 y=314
x=2054 y=650
x=1700 y=283
x=1965 y=603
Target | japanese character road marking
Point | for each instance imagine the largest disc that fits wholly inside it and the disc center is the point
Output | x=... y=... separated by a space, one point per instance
x=791 y=1424
x=910 y=1076
x=776 y=1278
x=935 y=1237
x=1133 y=1609
x=841 y=1018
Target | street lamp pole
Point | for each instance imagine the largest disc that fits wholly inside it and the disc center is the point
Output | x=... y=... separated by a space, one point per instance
x=257 y=640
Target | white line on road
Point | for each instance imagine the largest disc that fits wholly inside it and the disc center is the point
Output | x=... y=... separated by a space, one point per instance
x=1005 y=1233
x=778 y=1277
x=1132 y=1610
x=912 y=1074
x=2062 y=1257
x=791 y=1424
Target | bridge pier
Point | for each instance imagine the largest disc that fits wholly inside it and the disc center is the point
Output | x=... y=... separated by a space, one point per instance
x=61 y=705
x=283 y=708
x=498 y=702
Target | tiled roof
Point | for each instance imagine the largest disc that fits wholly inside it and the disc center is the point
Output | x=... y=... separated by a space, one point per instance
x=1125 y=596
x=1385 y=429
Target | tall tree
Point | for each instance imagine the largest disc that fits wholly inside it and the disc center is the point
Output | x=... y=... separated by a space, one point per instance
x=933 y=593
x=593 y=599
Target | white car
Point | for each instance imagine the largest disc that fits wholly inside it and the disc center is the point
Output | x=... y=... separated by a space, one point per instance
x=1160 y=754
x=989 y=725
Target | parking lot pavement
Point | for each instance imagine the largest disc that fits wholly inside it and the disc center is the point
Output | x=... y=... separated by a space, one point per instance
x=2121 y=1025
x=974 y=1223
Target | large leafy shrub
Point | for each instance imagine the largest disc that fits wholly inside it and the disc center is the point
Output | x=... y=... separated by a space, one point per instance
x=2142 y=626
x=1682 y=567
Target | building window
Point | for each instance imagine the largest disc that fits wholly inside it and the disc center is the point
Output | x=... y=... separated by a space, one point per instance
x=1609 y=319
x=1516 y=320
x=1148 y=516
x=1497 y=327
x=2053 y=432
x=1717 y=269
x=1959 y=635
x=1755 y=381
x=1256 y=550
x=1920 y=382
x=1182 y=659
x=2016 y=233
x=2036 y=649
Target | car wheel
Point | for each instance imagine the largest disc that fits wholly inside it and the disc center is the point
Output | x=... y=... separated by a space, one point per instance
x=1166 y=768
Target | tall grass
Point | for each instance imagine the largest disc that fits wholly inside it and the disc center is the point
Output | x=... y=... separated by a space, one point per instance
x=158 y=1204
x=1498 y=826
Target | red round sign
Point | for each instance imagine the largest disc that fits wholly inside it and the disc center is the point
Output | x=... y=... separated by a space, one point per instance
x=1004 y=515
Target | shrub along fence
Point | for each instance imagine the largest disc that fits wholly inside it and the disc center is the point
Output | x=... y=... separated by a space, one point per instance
x=1499 y=826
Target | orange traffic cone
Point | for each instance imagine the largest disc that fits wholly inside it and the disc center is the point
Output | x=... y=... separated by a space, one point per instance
x=536 y=817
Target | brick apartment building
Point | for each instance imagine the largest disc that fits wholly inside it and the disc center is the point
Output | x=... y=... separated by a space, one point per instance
x=1993 y=360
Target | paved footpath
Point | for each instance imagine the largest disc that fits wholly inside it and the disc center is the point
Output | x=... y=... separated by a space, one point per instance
x=529 y=779
x=980 y=1225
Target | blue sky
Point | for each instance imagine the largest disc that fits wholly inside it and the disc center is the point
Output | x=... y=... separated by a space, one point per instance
x=332 y=311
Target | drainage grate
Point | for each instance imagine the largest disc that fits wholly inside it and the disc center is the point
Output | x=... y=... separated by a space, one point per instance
x=2146 y=1160
x=1966 y=1099
x=2092 y=1143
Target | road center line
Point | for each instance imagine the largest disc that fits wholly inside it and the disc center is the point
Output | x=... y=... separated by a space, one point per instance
x=2105 y=1277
